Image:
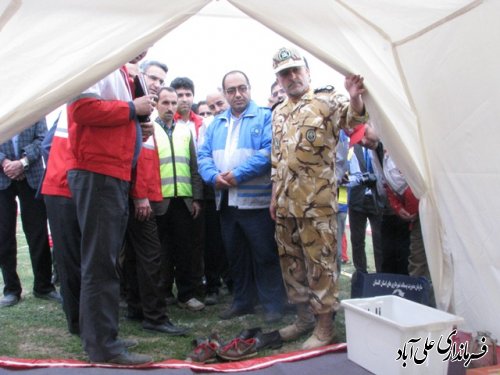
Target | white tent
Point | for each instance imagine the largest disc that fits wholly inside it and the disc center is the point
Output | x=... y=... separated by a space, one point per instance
x=433 y=89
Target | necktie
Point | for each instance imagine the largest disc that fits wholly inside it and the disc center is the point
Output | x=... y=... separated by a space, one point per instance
x=368 y=160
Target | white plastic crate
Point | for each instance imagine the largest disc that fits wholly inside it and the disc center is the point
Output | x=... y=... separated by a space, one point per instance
x=377 y=327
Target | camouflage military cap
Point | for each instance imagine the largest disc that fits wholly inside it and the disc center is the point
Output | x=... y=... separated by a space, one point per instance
x=287 y=58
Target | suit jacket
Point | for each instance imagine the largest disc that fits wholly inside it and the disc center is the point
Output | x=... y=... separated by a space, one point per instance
x=29 y=145
x=357 y=200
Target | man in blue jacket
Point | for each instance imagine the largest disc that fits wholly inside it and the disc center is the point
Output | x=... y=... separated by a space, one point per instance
x=235 y=159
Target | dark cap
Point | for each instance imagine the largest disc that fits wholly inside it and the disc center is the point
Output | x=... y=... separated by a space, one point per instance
x=357 y=134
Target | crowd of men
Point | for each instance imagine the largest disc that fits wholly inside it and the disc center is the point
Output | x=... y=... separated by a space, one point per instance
x=142 y=193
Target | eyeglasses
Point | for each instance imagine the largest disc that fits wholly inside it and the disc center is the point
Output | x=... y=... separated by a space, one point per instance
x=155 y=78
x=242 y=89
x=205 y=114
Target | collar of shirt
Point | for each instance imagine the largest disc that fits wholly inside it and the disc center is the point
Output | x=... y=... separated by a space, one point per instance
x=165 y=127
x=197 y=120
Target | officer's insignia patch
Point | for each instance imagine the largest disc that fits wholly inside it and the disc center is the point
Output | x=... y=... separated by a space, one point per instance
x=284 y=54
x=328 y=88
x=311 y=135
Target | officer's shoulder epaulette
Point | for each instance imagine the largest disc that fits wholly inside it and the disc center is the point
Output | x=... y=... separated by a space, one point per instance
x=328 y=88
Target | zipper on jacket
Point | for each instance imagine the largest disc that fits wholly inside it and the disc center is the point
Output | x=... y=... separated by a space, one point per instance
x=173 y=161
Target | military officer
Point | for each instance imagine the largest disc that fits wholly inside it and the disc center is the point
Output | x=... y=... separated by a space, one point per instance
x=306 y=129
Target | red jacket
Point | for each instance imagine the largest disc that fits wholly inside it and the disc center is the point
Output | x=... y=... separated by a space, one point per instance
x=102 y=128
x=407 y=200
x=146 y=180
x=197 y=120
x=55 y=182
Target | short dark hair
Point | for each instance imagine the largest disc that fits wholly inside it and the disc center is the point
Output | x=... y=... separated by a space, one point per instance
x=146 y=64
x=233 y=72
x=275 y=83
x=183 y=83
x=166 y=88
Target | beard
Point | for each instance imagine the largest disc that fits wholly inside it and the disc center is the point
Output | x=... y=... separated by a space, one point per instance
x=297 y=89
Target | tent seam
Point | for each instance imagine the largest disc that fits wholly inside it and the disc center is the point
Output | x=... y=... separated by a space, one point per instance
x=9 y=12
x=442 y=21
x=374 y=26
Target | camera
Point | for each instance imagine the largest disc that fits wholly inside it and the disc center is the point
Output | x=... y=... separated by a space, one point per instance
x=368 y=179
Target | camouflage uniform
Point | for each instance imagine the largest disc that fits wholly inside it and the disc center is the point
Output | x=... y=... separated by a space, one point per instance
x=305 y=135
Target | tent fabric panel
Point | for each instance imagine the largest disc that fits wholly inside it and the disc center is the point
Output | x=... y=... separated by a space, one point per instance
x=452 y=75
x=350 y=45
x=401 y=20
x=75 y=44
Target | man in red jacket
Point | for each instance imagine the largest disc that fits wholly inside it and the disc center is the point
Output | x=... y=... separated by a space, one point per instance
x=105 y=139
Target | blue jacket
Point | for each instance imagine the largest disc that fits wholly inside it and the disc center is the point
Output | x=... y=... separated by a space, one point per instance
x=29 y=145
x=250 y=162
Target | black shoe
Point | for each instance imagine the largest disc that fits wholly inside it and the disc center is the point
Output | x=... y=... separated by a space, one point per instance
x=166 y=327
x=269 y=340
x=128 y=343
x=9 y=300
x=50 y=296
x=211 y=299
x=249 y=333
x=126 y=358
x=233 y=312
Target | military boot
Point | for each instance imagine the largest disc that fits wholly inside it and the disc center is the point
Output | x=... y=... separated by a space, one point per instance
x=323 y=332
x=304 y=323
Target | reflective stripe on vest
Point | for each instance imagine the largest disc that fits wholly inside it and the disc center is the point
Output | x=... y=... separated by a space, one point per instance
x=175 y=171
x=342 y=195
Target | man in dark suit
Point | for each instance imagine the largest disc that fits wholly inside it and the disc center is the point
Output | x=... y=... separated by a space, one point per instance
x=365 y=201
x=20 y=175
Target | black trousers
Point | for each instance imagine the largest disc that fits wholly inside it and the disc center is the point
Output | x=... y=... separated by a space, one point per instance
x=216 y=266
x=253 y=259
x=198 y=261
x=142 y=268
x=34 y=221
x=176 y=230
x=102 y=209
x=357 y=224
x=395 y=244
x=66 y=237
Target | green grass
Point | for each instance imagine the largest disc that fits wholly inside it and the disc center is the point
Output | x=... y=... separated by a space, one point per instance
x=37 y=328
